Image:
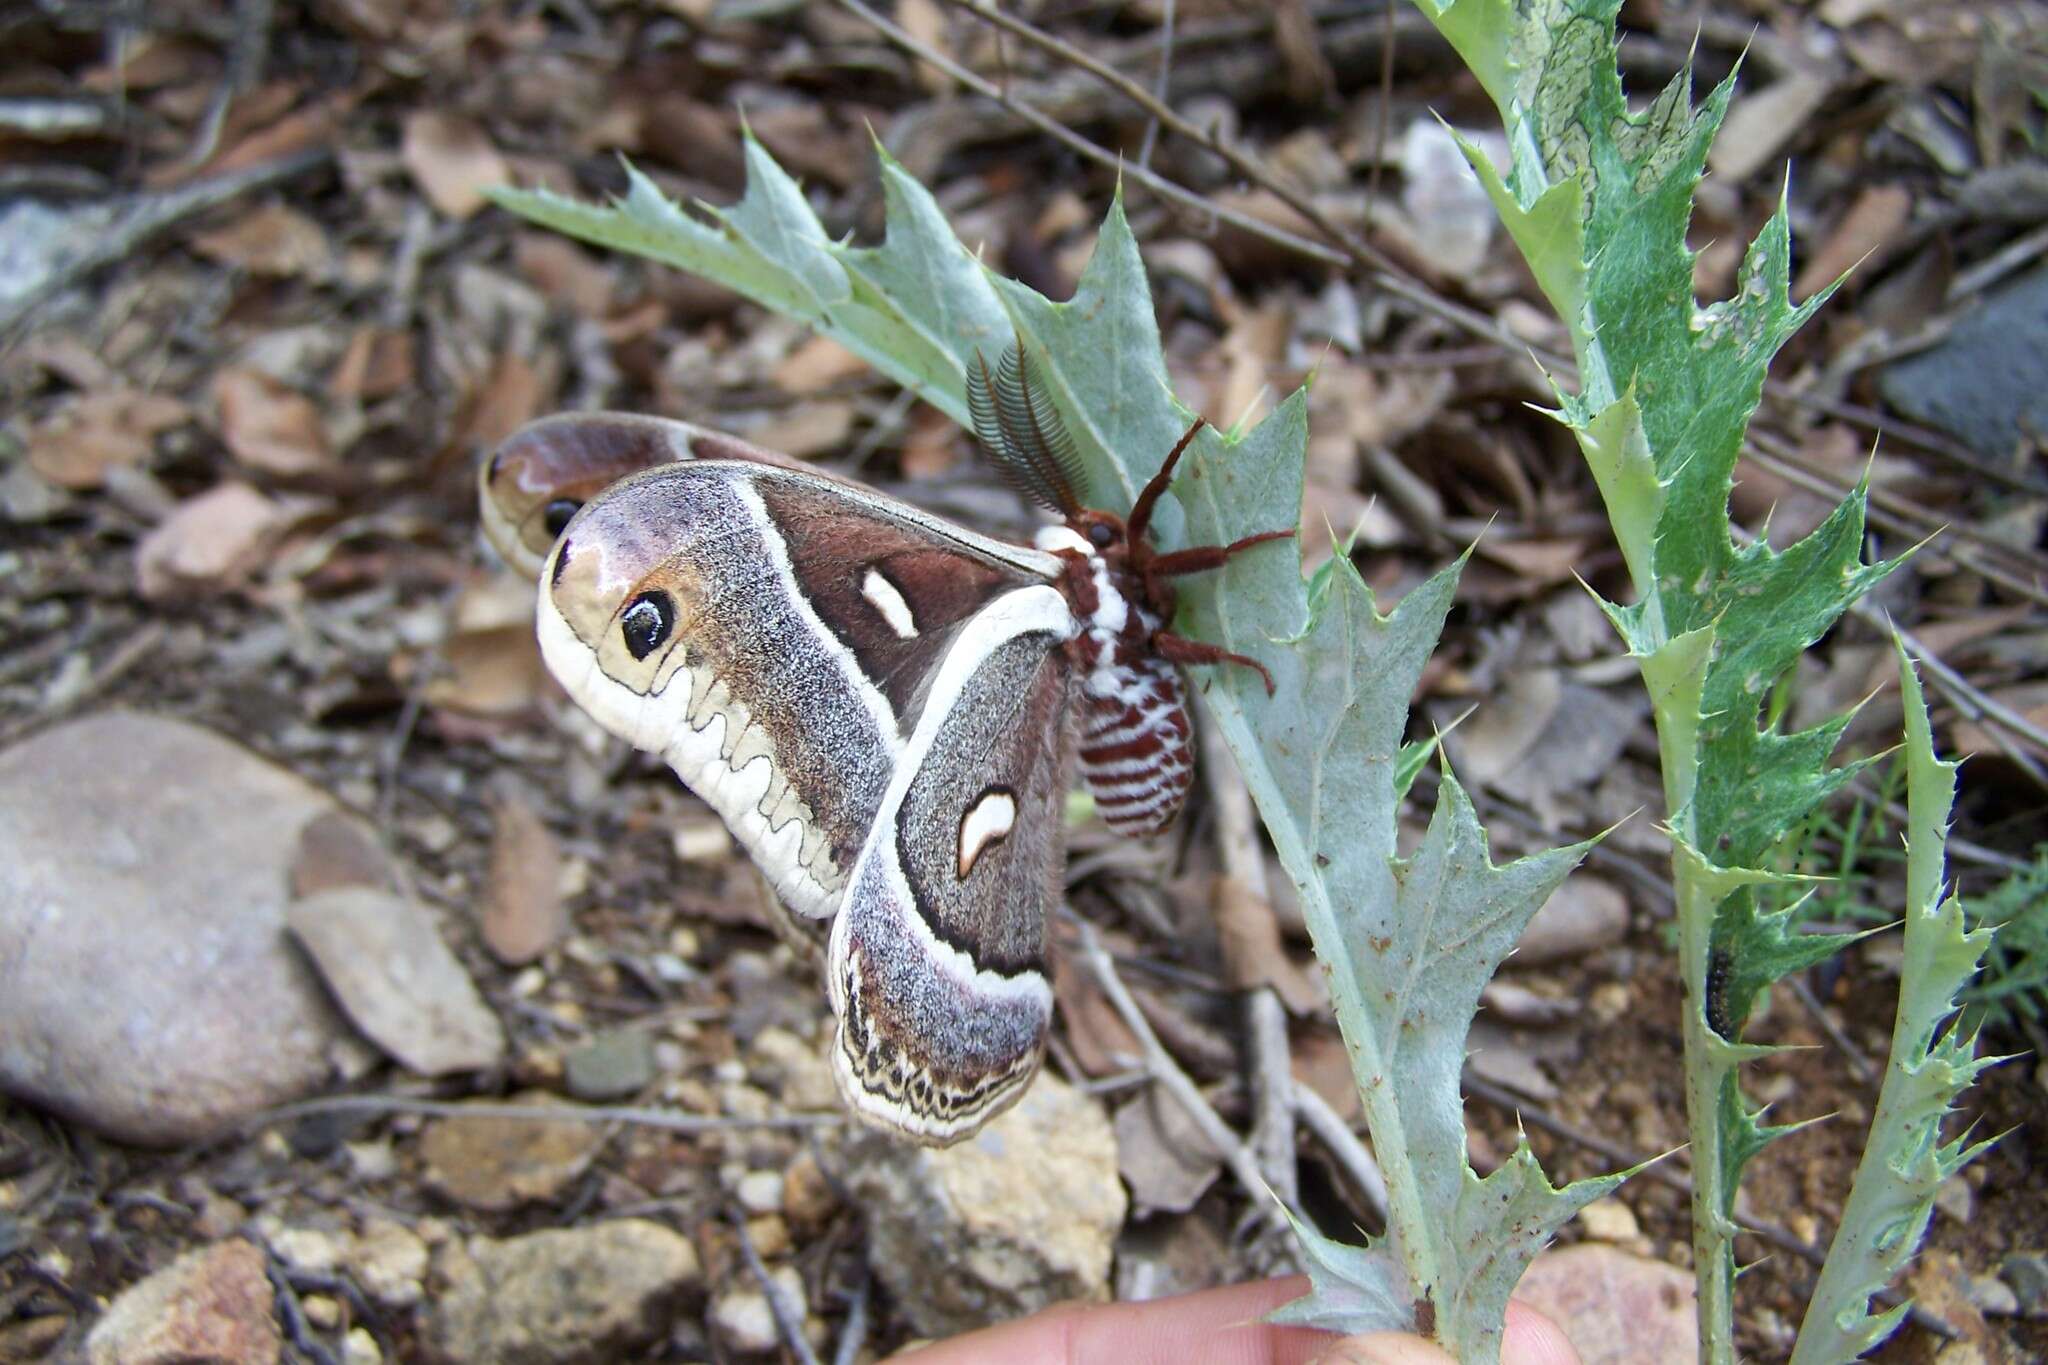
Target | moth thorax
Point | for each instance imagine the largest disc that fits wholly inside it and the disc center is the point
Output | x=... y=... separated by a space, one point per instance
x=1135 y=753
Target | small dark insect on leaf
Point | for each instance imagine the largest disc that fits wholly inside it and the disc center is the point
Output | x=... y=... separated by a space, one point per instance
x=1720 y=966
x=1425 y=1316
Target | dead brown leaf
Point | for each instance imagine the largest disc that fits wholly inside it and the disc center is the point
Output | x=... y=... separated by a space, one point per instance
x=210 y=541
x=272 y=240
x=930 y=447
x=816 y=365
x=564 y=272
x=1760 y=124
x=452 y=159
x=377 y=364
x=267 y=424
x=807 y=429
x=522 y=910
x=1102 y=1043
x=508 y=400
x=78 y=443
x=1163 y=1155
x=1867 y=234
x=335 y=850
x=1249 y=936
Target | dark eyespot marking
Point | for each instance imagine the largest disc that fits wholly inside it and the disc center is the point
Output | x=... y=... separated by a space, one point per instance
x=555 y=516
x=561 y=563
x=646 y=622
x=1101 y=536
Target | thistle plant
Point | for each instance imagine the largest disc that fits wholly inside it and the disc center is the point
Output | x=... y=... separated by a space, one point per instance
x=1597 y=199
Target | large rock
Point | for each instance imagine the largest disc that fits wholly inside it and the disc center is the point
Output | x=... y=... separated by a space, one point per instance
x=563 y=1296
x=213 y=1304
x=147 y=988
x=1021 y=1216
x=1986 y=382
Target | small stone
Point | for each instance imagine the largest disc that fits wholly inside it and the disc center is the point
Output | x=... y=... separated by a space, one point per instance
x=565 y=1296
x=769 y=1234
x=1992 y=1296
x=317 y=1251
x=611 y=1066
x=1584 y=913
x=212 y=1304
x=172 y=908
x=1955 y=1198
x=1986 y=380
x=386 y=963
x=1609 y=1220
x=389 y=1261
x=2027 y=1273
x=1615 y=1306
x=798 y=1069
x=360 y=1348
x=495 y=1164
x=744 y=1319
x=322 y=1310
x=759 y=1191
x=1021 y=1216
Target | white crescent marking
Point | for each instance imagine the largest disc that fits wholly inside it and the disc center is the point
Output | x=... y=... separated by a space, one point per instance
x=987 y=820
x=884 y=597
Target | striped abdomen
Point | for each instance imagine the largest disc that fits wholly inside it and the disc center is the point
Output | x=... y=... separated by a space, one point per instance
x=1134 y=741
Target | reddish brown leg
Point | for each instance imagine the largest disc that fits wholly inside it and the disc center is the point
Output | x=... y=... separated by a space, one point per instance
x=1196 y=558
x=1141 y=510
x=1181 y=650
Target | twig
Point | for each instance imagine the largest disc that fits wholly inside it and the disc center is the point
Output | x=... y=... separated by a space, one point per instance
x=538 y=1113
x=1973 y=701
x=1353 y=250
x=1269 y=1063
x=788 y=1321
x=98 y=235
x=853 y=1336
x=1167 y=1073
x=244 y=68
x=1165 y=74
x=1352 y=1155
x=1846 y=1045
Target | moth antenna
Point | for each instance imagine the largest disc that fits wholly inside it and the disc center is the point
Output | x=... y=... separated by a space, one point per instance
x=1022 y=431
x=1141 y=510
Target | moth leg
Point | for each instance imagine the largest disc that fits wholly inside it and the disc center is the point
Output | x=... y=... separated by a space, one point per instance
x=1181 y=650
x=1196 y=558
x=1141 y=510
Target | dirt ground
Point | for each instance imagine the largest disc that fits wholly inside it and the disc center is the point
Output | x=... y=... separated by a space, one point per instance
x=301 y=294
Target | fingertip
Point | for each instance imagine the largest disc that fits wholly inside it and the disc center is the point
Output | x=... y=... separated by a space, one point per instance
x=1533 y=1339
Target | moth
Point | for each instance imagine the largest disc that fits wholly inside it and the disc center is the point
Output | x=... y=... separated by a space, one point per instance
x=885 y=708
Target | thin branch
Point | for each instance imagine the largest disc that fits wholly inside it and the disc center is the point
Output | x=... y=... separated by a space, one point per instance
x=789 y=1323
x=1177 y=1083
x=1269 y=1062
x=1352 y=1155
x=539 y=1113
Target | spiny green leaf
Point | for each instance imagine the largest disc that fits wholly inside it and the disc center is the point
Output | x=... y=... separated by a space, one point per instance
x=1905 y=1160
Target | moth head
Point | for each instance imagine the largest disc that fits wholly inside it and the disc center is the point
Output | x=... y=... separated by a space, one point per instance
x=542 y=475
x=614 y=597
